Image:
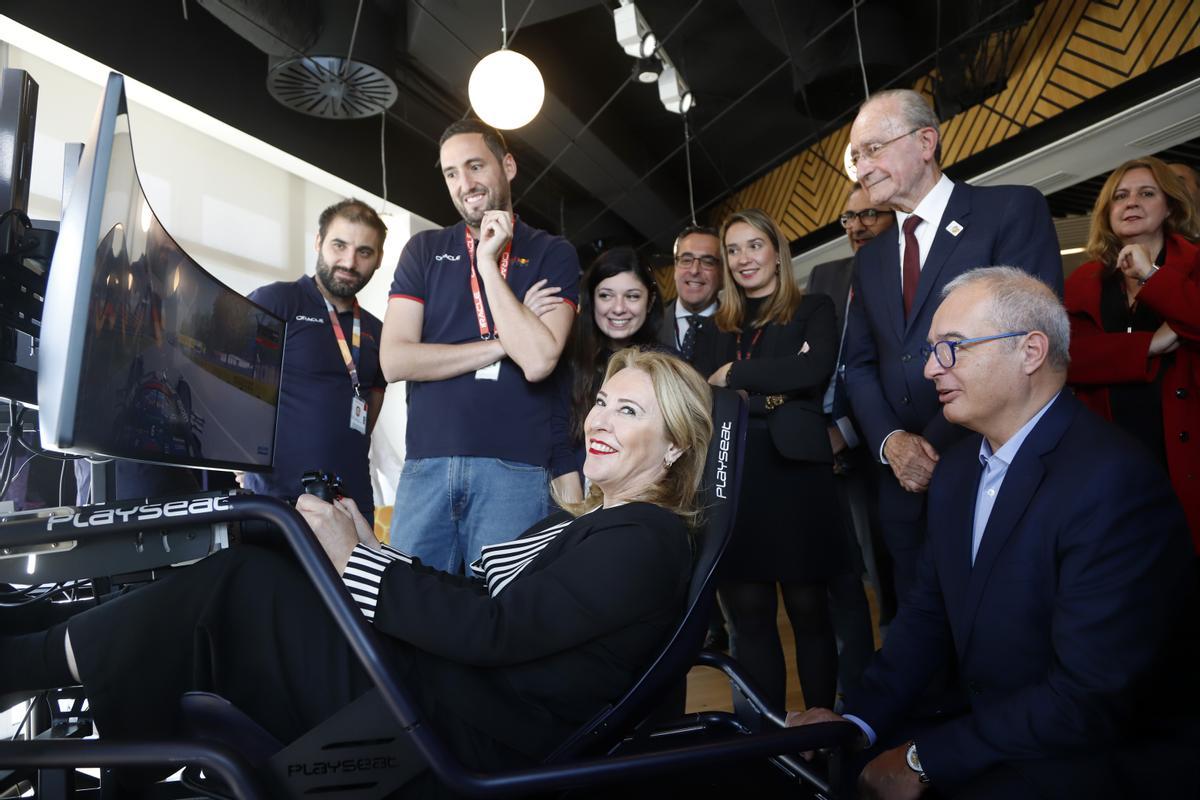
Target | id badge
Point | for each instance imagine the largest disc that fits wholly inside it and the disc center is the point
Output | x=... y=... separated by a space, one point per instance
x=489 y=373
x=358 y=415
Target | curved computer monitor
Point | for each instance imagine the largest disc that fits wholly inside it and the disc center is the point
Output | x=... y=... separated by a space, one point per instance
x=145 y=355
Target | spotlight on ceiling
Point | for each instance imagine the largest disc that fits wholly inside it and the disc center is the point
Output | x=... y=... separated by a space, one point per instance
x=647 y=69
x=673 y=92
x=633 y=34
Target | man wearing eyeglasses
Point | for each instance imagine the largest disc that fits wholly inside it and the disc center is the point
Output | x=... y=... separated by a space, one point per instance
x=942 y=229
x=1056 y=579
x=698 y=277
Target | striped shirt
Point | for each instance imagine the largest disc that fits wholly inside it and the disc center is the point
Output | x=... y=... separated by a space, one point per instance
x=498 y=565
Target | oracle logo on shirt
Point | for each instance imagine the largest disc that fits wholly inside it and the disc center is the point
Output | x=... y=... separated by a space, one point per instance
x=302 y=318
x=447 y=257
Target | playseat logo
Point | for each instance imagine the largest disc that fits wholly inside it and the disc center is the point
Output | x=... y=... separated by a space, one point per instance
x=142 y=513
x=318 y=768
x=723 y=459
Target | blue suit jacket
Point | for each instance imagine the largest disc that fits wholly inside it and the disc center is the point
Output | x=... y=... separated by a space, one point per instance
x=1002 y=225
x=1062 y=620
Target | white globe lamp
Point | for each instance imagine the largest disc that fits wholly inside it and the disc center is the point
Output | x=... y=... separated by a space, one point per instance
x=506 y=89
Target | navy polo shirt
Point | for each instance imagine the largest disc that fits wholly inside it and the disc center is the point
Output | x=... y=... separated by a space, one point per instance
x=315 y=393
x=508 y=418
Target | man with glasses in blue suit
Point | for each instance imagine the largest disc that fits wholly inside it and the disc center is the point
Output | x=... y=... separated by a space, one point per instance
x=1056 y=580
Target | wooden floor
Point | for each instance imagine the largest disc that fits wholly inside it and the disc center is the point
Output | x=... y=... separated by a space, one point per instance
x=708 y=690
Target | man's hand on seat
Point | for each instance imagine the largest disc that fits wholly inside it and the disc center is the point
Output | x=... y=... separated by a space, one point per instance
x=811 y=717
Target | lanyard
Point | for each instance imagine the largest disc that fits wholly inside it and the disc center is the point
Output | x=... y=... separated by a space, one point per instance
x=753 y=341
x=340 y=335
x=485 y=330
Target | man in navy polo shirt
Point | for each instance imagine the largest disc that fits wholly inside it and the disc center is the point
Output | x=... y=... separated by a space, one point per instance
x=480 y=441
x=332 y=387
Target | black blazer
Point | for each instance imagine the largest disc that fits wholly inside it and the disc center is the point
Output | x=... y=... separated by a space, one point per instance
x=567 y=636
x=833 y=279
x=778 y=367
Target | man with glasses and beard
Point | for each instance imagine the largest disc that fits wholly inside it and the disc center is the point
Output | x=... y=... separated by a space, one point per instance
x=477 y=318
x=332 y=387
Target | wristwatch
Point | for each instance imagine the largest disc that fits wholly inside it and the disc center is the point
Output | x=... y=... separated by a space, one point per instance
x=774 y=401
x=914 y=762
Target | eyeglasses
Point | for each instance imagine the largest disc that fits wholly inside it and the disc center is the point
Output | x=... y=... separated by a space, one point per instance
x=873 y=149
x=686 y=260
x=867 y=216
x=944 y=351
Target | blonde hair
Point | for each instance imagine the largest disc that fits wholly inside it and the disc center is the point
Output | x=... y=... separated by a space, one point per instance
x=784 y=300
x=1103 y=245
x=686 y=403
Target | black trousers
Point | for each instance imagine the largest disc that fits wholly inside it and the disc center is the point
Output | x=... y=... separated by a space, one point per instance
x=246 y=624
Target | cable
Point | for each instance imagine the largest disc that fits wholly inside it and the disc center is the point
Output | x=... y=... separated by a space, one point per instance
x=520 y=22
x=353 y=36
x=858 y=38
x=503 y=25
x=383 y=156
x=687 y=151
x=47 y=454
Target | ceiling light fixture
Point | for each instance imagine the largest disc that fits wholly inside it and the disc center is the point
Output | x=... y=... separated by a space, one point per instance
x=647 y=69
x=633 y=34
x=506 y=88
x=675 y=95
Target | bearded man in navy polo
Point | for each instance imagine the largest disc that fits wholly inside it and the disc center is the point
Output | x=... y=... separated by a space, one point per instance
x=483 y=438
x=332 y=388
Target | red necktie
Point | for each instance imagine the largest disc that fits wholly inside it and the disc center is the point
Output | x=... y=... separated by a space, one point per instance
x=912 y=262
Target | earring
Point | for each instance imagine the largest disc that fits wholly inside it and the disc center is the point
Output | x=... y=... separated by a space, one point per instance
x=667 y=464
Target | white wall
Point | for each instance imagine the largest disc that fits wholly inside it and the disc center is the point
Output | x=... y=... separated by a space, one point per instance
x=246 y=211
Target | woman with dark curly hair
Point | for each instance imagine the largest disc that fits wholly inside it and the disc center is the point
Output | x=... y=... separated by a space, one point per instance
x=619 y=306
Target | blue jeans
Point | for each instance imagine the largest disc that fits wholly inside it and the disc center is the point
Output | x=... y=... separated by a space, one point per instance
x=448 y=508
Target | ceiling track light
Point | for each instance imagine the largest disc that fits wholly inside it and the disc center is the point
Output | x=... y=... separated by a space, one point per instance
x=633 y=34
x=647 y=70
x=674 y=93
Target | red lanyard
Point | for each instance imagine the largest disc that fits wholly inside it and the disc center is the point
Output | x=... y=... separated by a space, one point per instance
x=340 y=335
x=753 y=341
x=485 y=330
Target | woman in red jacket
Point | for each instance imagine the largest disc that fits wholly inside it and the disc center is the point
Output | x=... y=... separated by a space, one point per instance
x=1135 y=319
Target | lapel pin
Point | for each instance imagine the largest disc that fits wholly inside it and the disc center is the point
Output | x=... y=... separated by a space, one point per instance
x=954 y=229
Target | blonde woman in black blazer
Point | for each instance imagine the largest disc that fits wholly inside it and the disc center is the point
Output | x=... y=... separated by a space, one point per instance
x=779 y=346
x=503 y=667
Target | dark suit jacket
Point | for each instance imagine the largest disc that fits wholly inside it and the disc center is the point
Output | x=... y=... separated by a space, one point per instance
x=704 y=356
x=1060 y=625
x=778 y=367
x=567 y=636
x=833 y=279
x=1002 y=225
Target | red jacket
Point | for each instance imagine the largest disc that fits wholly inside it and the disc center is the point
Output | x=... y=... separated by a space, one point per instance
x=1099 y=359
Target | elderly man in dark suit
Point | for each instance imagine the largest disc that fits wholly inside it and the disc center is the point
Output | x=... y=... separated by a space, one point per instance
x=698 y=277
x=857 y=481
x=942 y=230
x=1056 y=577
